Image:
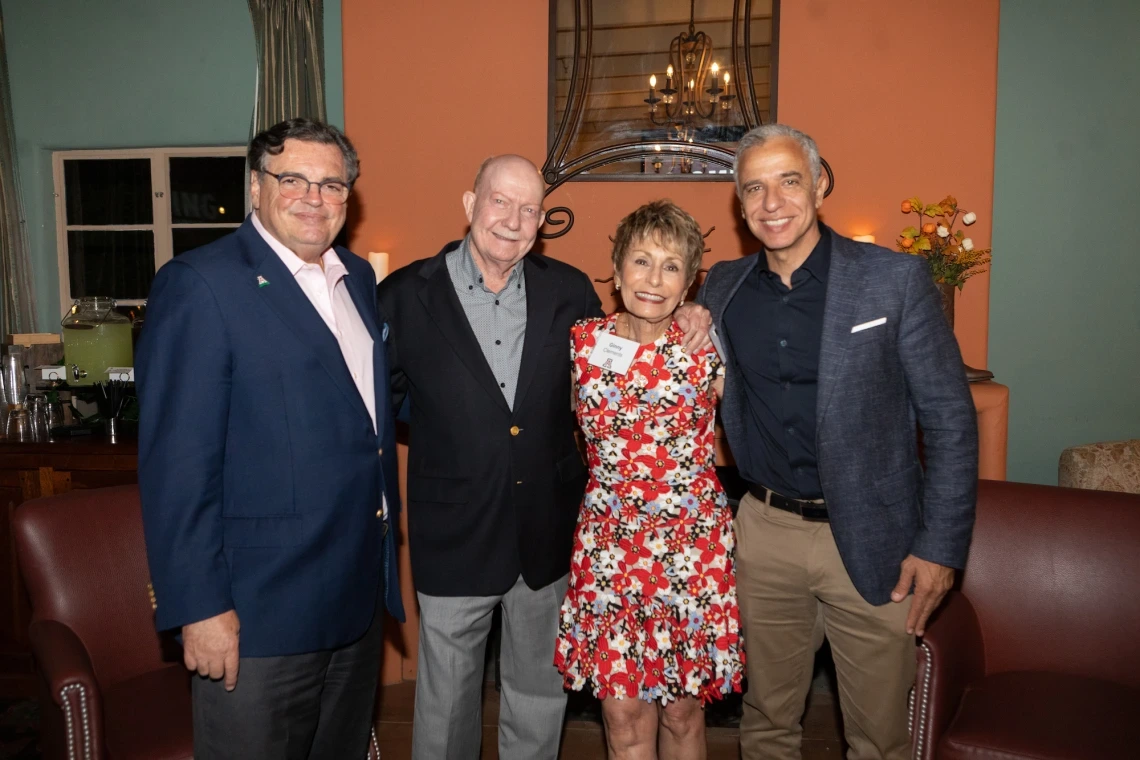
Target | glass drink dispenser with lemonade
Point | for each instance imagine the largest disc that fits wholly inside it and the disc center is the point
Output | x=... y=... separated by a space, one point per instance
x=95 y=337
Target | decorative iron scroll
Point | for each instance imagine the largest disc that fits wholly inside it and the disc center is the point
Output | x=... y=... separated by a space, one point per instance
x=707 y=160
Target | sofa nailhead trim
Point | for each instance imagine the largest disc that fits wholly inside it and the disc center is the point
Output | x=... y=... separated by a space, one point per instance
x=924 y=701
x=65 y=701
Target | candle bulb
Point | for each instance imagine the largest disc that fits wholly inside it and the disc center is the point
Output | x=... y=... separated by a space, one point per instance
x=652 y=100
x=379 y=262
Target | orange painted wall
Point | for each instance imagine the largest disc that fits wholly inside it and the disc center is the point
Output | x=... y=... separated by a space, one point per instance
x=900 y=97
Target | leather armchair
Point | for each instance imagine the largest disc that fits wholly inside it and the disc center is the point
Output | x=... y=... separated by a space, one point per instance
x=1035 y=655
x=111 y=686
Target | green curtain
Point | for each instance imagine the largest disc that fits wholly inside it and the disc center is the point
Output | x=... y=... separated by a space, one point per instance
x=290 y=61
x=18 y=314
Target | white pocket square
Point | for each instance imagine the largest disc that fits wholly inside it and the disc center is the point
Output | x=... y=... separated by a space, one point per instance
x=869 y=325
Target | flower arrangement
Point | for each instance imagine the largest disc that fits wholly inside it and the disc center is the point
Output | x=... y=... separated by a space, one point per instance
x=952 y=256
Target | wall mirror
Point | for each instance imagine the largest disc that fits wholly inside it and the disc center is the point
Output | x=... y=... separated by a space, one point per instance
x=657 y=89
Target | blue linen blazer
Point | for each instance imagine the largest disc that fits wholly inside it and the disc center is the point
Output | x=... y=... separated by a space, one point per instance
x=877 y=386
x=259 y=470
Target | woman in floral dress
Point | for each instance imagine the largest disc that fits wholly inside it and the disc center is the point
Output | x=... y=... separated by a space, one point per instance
x=650 y=622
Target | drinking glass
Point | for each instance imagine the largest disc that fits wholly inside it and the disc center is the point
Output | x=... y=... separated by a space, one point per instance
x=53 y=415
x=15 y=386
x=17 y=427
x=37 y=417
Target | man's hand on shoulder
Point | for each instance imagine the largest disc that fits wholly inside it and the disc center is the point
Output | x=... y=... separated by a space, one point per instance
x=695 y=321
x=931 y=581
x=210 y=647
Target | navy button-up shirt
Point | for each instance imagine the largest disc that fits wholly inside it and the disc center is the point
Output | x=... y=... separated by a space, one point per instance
x=775 y=335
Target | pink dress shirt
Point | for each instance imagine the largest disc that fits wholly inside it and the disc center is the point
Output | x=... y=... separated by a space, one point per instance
x=327 y=291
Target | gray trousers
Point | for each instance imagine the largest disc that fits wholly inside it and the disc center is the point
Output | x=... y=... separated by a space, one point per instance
x=314 y=706
x=449 y=682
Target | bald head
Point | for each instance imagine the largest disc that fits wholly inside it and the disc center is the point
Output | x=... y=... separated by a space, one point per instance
x=505 y=212
x=508 y=162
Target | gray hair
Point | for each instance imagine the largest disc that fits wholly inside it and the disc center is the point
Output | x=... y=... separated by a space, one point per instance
x=271 y=142
x=765 y=132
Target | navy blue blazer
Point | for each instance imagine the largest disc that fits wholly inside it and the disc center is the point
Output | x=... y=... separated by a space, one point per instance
x=899 y=371
x=260 y=473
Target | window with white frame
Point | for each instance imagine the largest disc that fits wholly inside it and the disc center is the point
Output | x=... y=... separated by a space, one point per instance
x=121 y=214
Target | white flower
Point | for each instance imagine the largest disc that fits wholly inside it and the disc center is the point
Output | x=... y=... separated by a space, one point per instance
x=943 y=231
x=969 y=218
x=967 y=244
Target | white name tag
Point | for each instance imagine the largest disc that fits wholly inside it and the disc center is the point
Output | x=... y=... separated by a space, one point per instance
x=613 y=353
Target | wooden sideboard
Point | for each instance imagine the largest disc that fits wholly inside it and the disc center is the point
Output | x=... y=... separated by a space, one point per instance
x=28 y=471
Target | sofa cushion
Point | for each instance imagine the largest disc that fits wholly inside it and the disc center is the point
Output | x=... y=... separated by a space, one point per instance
x=1109 y=466
x=148 y=717
x=1044 y=716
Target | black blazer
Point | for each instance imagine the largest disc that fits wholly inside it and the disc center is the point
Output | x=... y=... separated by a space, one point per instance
x=491 y=493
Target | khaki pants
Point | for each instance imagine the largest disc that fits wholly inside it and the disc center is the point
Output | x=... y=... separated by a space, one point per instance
x=794 y=590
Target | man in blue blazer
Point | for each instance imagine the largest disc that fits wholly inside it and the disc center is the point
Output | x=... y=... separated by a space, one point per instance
x=837 y=353
x=267 y=463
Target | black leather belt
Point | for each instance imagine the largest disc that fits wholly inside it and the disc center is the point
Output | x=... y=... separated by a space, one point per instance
x=809 y=510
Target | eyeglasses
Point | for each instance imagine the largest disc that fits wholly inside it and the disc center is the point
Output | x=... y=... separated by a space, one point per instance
x=295 y=187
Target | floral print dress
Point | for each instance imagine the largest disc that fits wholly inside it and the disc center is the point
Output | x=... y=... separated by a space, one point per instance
x=651 y=609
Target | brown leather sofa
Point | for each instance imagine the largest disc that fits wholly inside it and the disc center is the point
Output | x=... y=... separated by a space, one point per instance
x=112 y=687
x=1037 y=655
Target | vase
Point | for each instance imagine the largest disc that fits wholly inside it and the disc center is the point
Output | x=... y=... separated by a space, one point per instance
x=947 y=293
x=946 y=290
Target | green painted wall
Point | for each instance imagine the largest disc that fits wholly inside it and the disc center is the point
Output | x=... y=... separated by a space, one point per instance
x=1065 y=287
x=129 y=73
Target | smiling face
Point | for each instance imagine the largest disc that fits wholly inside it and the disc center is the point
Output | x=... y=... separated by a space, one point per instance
x=780 y=202
x=505 y=211
x=653 y=279
x=307 y=225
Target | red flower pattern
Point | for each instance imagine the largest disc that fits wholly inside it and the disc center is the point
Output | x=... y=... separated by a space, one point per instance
x=635 y=623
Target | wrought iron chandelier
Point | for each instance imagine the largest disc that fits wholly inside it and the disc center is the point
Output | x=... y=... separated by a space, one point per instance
x=691 y=67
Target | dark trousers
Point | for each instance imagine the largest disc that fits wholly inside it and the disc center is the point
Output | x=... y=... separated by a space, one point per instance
x=296 y=707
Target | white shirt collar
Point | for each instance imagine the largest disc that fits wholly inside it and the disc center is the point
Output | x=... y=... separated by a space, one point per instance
x=292 y=261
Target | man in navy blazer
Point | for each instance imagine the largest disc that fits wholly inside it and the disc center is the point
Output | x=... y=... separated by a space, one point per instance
x=267 y=463
x=837 y=353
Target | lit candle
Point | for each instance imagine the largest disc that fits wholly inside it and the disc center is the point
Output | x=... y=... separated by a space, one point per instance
x=379 y=262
